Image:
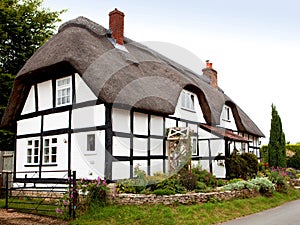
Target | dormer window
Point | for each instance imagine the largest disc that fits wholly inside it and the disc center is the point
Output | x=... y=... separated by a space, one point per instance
x=187 y=100
x=63 y=91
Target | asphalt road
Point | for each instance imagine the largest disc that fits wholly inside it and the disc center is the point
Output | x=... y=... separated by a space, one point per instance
x=286 y=214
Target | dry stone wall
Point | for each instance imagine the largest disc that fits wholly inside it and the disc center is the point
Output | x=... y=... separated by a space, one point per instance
x=185 y=199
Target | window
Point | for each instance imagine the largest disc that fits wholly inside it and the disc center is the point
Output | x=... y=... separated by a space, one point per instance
x=188 y=100
x=50 y=150
x=194 y=145
x=90 y=142
x=33 y=147
x=63 y=91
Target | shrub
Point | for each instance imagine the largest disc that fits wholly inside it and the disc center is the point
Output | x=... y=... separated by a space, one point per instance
x=240 y=185
x=266 y=187
x=187 y=179
x=205 y=177
x=241 y=166
x=200 y=186
x=294 y=161
x=279 y=177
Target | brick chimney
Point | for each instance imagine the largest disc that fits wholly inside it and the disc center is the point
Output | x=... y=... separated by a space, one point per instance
x=211 y=74
x=116 y=25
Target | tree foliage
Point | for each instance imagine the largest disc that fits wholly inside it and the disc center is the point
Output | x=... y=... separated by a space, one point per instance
x=277 y=145
x=24 y=27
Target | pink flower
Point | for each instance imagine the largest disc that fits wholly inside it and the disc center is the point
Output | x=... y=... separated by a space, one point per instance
x=65 y=202
x=58 y=210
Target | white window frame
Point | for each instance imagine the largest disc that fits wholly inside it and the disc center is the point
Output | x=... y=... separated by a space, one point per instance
x=188 y=100
x=226 y=114
x=63 y=91
x=33 y=151
x=91 y=147
x=50 y=150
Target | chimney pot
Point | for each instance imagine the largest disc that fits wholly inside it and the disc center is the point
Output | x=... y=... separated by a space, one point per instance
x=116 y=25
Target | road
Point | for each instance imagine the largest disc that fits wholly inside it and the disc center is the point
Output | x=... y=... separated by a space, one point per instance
x=286 y=214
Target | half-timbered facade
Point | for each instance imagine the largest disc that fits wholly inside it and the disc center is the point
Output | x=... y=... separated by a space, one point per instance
x=93 y=101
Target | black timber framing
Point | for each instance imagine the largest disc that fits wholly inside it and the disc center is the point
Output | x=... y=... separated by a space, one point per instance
x=108 y=142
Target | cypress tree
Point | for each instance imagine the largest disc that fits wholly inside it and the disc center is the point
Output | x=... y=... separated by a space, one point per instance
x=276 y=146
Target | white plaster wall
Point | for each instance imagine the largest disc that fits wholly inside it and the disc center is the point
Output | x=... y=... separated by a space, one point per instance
x=195 y=115
x=88 y=164
x=140 y=123
x=156 y=146
x=56 y=121
x=83 y=92
x=121 y=120
x=217 y=146
x=156 y=125
x=170 y=123
x=121 y=146
x=88 y=116
x=156 y=165
x=29 y=126
x=143 y=165
x=29 y=106
x=140 y=146
x=120 y=170
x=218 y=171
x=45 y=95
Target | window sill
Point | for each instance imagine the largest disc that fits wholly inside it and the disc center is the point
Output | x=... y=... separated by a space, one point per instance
x=189 y=110
x=90 y=153
x=226 y=120
x=37 y=165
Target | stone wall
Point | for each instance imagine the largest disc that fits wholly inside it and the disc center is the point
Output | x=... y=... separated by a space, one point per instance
x=186 y=199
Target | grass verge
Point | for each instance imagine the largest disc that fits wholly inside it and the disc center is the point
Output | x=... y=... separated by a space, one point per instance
x=207 y=213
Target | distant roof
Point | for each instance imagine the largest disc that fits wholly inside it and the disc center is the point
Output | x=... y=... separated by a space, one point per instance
x=138 y=77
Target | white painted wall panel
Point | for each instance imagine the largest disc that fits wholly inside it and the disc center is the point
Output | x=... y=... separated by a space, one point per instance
x=156 y=166
x=217 y=146
x=83 y=92
x=121 y=146
x=120 y=170
x=140 y=147
x=29 y=126
x=45 y=95
x=29 y=106
x=143 y=165
x=88 y=117
x=156 y=125
x=121 y=120
x=170 y=123
x=140 y=123
x=156 y=146
x=219 y=171
x=56 y=121
x=88 y=164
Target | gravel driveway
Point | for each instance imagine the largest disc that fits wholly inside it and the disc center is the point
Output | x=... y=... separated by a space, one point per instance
x=16 y=218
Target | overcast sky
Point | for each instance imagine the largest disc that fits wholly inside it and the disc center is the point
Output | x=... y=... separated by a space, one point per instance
x=254 y=45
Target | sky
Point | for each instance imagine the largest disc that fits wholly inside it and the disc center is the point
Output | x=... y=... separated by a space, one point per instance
x=253 y=44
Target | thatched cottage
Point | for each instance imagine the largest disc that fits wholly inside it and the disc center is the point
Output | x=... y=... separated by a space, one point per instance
x=94 y=101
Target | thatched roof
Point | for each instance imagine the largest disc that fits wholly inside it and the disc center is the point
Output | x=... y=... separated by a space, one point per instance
x=138 y=77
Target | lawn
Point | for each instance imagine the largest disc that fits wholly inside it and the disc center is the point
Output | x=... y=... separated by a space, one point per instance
x=206 y=213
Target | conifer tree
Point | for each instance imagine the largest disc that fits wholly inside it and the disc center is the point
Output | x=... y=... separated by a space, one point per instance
x=276 y=146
